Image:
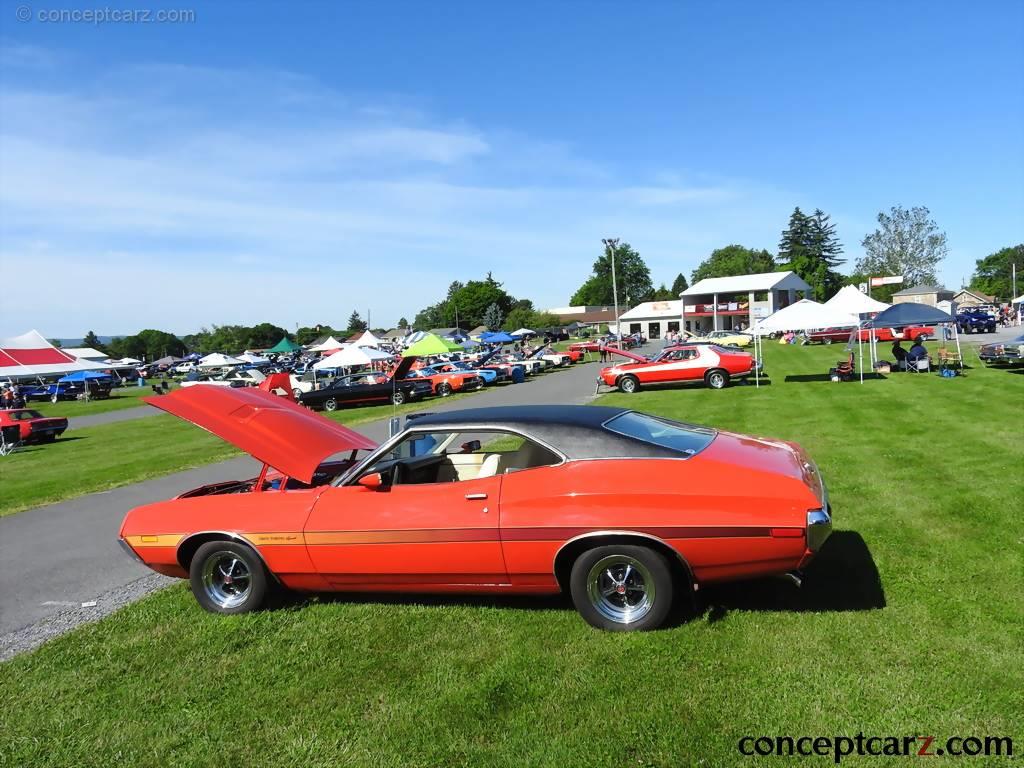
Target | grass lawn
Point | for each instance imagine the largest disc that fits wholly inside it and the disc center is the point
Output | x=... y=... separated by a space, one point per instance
x=123 y=397
x=98 y=458
x=909 y=623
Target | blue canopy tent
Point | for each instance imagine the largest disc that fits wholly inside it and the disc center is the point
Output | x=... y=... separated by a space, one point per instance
x=499 y=337
x=79 y=376
x=902 y=315
x=469 y=344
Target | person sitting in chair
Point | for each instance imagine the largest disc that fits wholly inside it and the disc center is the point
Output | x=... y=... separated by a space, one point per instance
x=917 y=352
x=899 y=354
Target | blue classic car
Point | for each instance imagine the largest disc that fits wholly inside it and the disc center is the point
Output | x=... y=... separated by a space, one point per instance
x=975 y=321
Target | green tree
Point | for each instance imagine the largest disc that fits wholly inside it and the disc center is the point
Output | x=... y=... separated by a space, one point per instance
x=906 y=242
x=472 y=301
x=810 y=247
x=994 y=274
x=148 y=345
x=308 y=334
x=679 y=285
x=734 y=260
x=493 y=317
x=632 y=276
x=429 y=317
x=92 y=340
x=355 y=322
x=402 y=323
x=663 y=294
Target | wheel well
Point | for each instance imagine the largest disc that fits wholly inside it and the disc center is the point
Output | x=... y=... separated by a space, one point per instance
x=622 y=376
x=708 y=372
x=569 y=552
x=188 y=548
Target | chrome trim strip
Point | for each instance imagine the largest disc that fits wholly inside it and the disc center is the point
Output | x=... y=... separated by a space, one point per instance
x=129 y=551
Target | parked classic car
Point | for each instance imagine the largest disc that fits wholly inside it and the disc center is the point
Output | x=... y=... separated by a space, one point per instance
x=975 y=321
x=489 y=375
x=727 y=338
x=714 y=365
x=446 y=383
x=368 y=388
x=32 y=425
x=250 y=377
x=842 y=335
x=525 y=499
x=1011 y=351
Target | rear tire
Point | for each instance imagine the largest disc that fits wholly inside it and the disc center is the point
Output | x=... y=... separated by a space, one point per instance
x=228 y=578
x=826 y=340
x=622 y=588
x=296 y=393
x=629 y=385
x=717 y=379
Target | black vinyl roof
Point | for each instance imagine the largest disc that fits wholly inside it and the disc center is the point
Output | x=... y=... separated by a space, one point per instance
x=576 y=431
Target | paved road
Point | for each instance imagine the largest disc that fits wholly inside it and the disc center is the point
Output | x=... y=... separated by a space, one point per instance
x=54 y=558
x=111 y=417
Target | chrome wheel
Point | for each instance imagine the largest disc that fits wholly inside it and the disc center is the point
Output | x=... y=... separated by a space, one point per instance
x=226 y=579
x=716 y=380
x=330 y=404
x=620 y=588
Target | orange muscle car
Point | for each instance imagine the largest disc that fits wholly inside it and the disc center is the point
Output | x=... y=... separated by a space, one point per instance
x=526 y=499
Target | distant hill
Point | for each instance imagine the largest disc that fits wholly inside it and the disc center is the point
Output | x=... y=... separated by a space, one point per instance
x=78 y=342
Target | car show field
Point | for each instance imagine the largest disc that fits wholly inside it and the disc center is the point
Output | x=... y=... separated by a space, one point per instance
x=914 y=599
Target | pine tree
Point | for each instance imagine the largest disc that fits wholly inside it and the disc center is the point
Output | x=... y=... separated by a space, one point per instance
x=403 y=323
x=493 y=317
x=92 y=340
x=355 y=322
x=811 y=248
x=679 y=285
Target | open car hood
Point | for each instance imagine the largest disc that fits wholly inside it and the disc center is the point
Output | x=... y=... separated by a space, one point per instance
x=271 y=429
x=627 y=353
x=404 y=366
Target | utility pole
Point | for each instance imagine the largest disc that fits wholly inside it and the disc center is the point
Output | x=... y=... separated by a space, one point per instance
x=611 y=243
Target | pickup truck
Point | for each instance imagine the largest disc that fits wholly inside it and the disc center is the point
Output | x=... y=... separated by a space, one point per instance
x=975 y=322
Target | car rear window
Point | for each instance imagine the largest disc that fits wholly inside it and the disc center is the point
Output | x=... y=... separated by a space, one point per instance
x=687 y=439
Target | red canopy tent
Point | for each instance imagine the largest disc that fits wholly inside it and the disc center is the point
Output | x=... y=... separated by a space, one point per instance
x=30 y=355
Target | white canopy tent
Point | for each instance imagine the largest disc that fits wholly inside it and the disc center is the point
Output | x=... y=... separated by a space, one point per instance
x=328 y=345
x=126 y=361
x=804 y=315
x=853 y=302
x=523 y=332
x=248 y=357
x=31 y=355
x=217 y=360
x=351 y=356
x=367 y=340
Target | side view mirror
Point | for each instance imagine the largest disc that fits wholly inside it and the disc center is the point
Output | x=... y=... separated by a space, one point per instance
x=373 y=481
x=471 y=446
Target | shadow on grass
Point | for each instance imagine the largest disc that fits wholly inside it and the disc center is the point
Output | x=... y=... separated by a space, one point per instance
x=843 y=577
x=805 y=377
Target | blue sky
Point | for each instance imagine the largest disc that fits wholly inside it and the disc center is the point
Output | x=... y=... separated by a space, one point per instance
x=293 y=162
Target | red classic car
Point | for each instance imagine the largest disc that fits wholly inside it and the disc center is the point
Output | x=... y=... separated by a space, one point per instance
x=842 y=335
x=32 y=425
x=444 y=383
x=714 y=365
x=525 y=499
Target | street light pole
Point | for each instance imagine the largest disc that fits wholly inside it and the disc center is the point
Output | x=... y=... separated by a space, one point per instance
x=611 y=243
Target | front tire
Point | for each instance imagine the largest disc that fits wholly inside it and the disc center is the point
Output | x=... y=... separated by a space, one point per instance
x=717 y=379
x=444 y=389
x=398 y=397
x=228 y=578
x=629 y=384
x=330 y=404
x=622 y=588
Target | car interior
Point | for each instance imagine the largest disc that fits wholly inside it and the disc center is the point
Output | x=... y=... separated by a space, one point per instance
x=457 y=457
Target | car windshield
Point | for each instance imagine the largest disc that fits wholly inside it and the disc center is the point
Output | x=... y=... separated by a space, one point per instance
x=688 y=439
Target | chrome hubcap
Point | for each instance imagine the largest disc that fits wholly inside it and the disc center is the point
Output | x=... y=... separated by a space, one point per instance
x=620 y=588
x=226 y=579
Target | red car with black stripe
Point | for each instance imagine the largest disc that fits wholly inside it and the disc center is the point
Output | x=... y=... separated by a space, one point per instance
x=32 y=425
x=522 y=500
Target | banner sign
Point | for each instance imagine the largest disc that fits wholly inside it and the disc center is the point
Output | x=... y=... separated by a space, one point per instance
x=891 y=279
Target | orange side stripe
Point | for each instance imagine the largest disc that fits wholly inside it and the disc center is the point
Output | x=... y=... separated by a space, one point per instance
x=161 y=540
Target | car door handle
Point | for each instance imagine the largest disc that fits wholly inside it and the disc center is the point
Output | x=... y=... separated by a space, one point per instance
x=475 y=496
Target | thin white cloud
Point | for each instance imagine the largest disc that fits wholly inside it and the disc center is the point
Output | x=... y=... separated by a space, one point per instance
x=159 y=187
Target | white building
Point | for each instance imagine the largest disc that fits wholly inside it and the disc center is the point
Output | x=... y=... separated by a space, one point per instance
x=717 y=303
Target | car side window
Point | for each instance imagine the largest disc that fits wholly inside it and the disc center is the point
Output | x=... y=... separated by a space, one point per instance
x=424 y=458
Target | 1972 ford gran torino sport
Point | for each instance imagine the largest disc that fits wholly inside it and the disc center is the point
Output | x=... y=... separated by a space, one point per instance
x=524 y=499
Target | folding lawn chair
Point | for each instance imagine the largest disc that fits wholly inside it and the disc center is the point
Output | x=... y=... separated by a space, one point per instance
x=10 y=439
x=919 y=364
